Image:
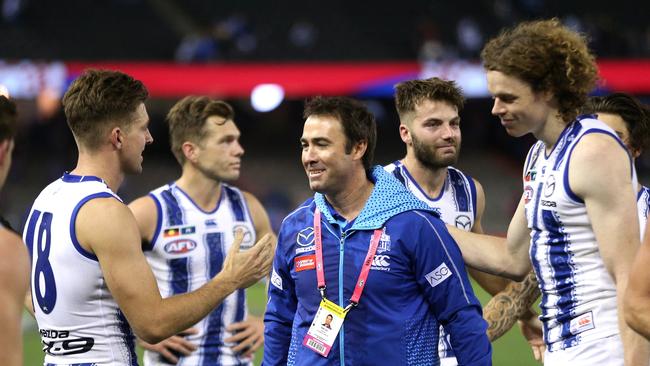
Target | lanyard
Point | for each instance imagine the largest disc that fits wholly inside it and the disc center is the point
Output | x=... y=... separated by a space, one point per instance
x=365 y=268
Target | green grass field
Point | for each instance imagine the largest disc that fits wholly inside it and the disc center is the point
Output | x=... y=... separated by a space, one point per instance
x=510 y=350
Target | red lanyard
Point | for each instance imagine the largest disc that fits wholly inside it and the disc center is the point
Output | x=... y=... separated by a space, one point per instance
x=365 y=268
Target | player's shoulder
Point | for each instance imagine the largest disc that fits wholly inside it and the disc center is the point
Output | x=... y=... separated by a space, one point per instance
x=303 y=213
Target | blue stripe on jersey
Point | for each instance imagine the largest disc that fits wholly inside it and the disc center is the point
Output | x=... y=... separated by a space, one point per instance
x=567 y=188
x=570 y=132
x=159 y=219
x=31 y=227
x=473 y=197
x=128 y=338
x=179 y=269
x=212 y=340
x=174 y=212
x=236 y=203
x=73 y=219
x=540 y=280
x=563 y=273
x=241 y=298
x=460 y=190
x=397 y=173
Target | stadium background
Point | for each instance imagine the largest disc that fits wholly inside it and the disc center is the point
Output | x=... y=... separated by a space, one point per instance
x=294 y=50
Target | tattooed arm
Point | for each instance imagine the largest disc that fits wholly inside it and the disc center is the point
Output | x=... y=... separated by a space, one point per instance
x=511 y=304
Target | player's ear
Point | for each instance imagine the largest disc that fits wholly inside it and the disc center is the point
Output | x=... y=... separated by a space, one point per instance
x=116 y=137
x=405 y=134
x=190 y=151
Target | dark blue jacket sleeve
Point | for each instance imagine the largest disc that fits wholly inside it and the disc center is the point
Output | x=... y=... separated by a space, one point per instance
x=281 y=307
x=441 y=274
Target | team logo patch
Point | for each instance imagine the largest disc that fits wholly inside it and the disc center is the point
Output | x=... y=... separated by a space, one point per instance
x=276 y=280
x=305 y=237
x=438 y=275
x=304 y=263
x=178 y=231
x=384 y=243
x=463 y=222
x=247 y=242
x=180 y=246
x=528 y=194
x=549 y=187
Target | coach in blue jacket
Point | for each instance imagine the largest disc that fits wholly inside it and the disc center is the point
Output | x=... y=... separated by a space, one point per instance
x=366 y=252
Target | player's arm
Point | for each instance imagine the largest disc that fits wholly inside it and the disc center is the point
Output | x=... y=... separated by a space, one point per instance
x=145 y=211
x=14 y=282
x=146 y=216
x=511 y=300
x=490 y=283
x=282 y=303
x=249 y=334
x=507 y=257
x=114 y=240
x=600 y=174
x=637 y=296
x=441 y=276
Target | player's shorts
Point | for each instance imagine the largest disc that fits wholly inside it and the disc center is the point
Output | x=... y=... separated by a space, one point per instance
x=602 y=352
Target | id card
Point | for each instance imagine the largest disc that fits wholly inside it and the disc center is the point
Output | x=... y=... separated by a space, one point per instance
x=324 y=328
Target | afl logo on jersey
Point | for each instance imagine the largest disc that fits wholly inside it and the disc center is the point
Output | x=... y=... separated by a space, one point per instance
x=248 y=236
x=305 y=237
x=528 y=194
x=180 y=246
x=549 y=186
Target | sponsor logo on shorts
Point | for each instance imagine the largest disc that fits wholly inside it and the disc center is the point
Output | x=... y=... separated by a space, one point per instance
x=438 y=275
x=305 y=262
x=180 y=246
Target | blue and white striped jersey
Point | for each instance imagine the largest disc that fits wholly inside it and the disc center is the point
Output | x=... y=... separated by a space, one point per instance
x=78 y=319
x=456 y=205
x=643 y=205
x=187 y=250
x=578 y=293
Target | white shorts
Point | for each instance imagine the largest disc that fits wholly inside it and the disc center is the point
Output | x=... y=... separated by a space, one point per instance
x=602 y=352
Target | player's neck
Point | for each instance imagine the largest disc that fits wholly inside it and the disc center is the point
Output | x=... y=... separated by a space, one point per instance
x=350 y=201
x=205 y=192
x=429 y=179
x=96 y=165
x=551 y=130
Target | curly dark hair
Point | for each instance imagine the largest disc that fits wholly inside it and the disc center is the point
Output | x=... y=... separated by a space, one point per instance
x=187 y=119
x=409 y=94
x=98 y=100
x=357 y=122
x=549 y=57
x=635 y=115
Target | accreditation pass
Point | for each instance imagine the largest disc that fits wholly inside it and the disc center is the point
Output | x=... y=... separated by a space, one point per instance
x=325 y=327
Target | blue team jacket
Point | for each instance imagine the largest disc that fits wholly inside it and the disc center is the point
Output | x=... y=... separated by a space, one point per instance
x=417 y=282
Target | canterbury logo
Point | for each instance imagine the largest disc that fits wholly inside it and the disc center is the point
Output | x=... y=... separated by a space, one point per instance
x=381 y=261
